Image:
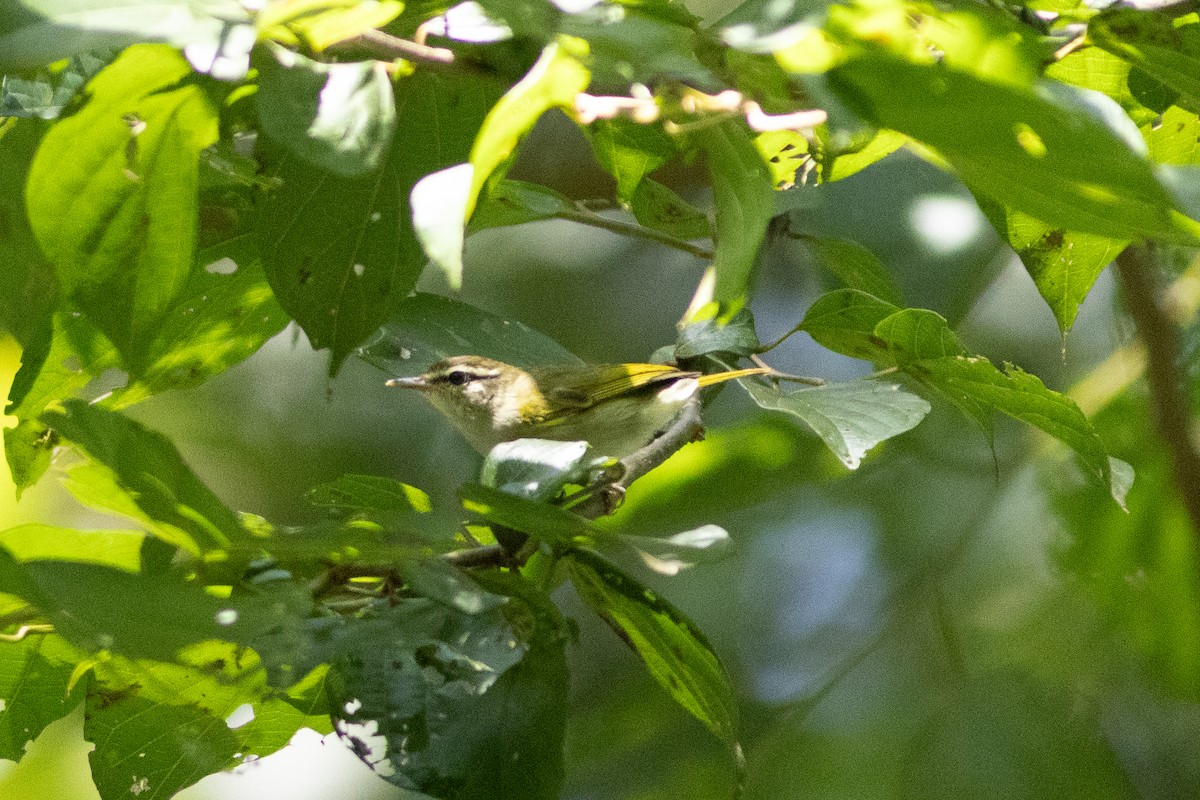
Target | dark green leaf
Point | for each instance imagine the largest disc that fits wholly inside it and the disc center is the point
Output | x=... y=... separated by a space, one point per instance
x=340 y=117
x=454 y=705
x=856 y=267
x=659 y=208
x=629 y=151
x=147 y=469
x=38 y=32
x=112 y=193
x=1023 y=396
x=427 y=328
x=48 y=93
x=735 y=337
x=339 y=251
x=1061 y=166
x=1154 y=42
x=743 y=194
x=844 y=321
x=28 y=287
x=510 y=202
x=676 y=653
x=101 y=608
x=851 y=418
x=374 y=492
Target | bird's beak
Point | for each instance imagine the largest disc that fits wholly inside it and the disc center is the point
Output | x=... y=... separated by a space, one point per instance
x=417 y=382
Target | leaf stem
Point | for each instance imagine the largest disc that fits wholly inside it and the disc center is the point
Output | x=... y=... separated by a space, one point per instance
x=588 y=217
x=392 y=47
x=1168 y=397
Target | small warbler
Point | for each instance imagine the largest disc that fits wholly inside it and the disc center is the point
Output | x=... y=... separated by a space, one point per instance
x=617 y=408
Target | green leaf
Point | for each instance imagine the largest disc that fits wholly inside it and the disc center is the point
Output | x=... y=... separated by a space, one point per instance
x=446 y=201
x=673 y=554
x=34 y=677
x=77 y=353
x=374 y=492
x=510 y=202
x=1024 y=397
x=852 y=417
x=856 y=267
x=37 y=32
x=1063 y=167
x=109 y=548
x=658 y=207
x=28 y=287
x=340 y=117
x=147 y=469
x=538 y=469
x=1064 y=265
x=427 y=328
x=540 y=520
x=629 y=151
x=464 y=706
x=1152 y=41
x=159 y=727
x=48 y=93
x=339 y=251
x=98 y=607
x=844 y=321
x=224 y=314
x=112 y=193
x=675 y=652
x=743 y=194
x=736 y=337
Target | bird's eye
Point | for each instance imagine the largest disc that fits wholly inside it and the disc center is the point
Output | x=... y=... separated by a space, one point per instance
x=457 y=377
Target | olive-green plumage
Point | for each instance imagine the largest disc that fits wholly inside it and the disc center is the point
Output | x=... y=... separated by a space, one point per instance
x=617 y=408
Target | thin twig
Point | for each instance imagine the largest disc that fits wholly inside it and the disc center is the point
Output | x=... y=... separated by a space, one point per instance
x=595 y=220
x=384 y=45
x=1168 y=398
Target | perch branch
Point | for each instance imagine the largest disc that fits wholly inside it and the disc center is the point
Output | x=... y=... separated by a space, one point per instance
x=1168 y=396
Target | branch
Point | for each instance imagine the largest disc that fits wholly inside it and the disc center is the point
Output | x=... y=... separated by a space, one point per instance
x=586 y=217
x=687 y=427
x=1168 y=397
x=389 y=47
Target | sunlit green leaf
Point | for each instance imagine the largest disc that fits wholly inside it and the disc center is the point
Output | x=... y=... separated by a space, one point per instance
x=629 y=151
x=1063 y=264
x=34 y=676
x=1151 y=41
x=1060 y=166
x=149 y=470
x=111 y=548
x=37 y=32
x=676 y=653
x=112 y=193
x=672 y=554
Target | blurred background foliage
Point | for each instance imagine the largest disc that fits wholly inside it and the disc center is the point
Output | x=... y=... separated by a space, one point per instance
x=951 y=620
